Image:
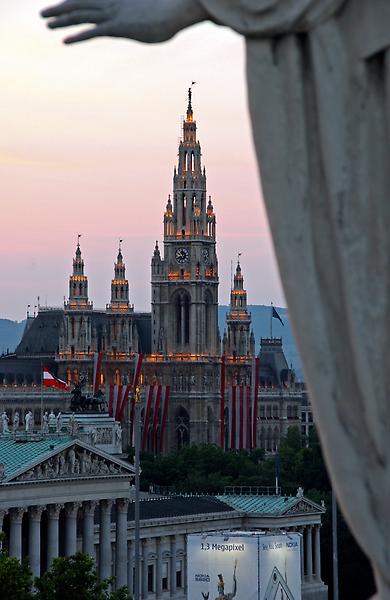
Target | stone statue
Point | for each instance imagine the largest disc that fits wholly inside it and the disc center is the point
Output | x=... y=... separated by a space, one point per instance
x=4 y=422
x=93 y=434
x=118 y=434
x=45 y=423
x=28 y=421
x=16 y=421
x=52 y=421
x=73 y=425
x=318 y=84
x=59 y=422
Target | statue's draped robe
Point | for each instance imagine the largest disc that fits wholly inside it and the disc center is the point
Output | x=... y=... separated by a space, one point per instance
x=319 y=93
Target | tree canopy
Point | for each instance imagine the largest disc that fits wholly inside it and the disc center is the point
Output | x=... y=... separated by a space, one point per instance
x=71 y=577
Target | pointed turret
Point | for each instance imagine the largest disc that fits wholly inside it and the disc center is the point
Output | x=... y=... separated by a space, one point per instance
x=240 y=339
x=119 y=286
x=78 y=284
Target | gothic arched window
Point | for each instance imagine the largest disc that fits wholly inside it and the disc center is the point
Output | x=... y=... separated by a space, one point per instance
x=182 y=427
x=182 y=318
x=208 y=318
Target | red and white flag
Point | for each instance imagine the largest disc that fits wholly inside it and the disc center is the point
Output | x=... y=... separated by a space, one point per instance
x=155 y=408
x=132 y=387
x=254 y=399
x=50 y=380
x=97 y=369
x=240 y=426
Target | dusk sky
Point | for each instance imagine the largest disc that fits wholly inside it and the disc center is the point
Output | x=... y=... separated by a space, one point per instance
x=88 y=143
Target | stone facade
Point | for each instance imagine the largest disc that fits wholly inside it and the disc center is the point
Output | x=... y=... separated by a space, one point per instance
x=179 y=339
x=61 y=495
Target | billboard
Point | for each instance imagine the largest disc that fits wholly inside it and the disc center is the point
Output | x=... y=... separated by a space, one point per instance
x=280 y=567
x=243 y=566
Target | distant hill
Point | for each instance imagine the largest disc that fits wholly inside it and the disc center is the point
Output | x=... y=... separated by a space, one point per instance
x=261 y=316
x=10 y=334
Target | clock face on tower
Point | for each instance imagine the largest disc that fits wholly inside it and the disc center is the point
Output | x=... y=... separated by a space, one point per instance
x=205 y=255
x=182 y=255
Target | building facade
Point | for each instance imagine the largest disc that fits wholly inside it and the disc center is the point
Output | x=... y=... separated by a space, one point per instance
x=60 y=494
x=179 y=338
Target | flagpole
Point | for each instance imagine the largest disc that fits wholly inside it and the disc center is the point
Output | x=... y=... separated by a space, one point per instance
x=137 y=397
x=271 y=320
x=335 y=550
x=41 y=392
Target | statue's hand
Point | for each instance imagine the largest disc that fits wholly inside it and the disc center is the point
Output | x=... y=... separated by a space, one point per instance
x=143 y=20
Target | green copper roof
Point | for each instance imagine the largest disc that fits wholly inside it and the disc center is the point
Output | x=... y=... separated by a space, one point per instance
x=15 y=455
x=264 y=505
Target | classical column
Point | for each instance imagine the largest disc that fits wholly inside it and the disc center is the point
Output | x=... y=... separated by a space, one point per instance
x=71 y=510
x=158 y=568
x=53 y=514
x=3 y=512
x=172 y=573
x=317 y=552
x=309 y=555
x=105 y=556
x=144 y=562
x=89 y=528
x=2 y=515
x=121 y=542
x=301 y=530
x=15 y=533
x=34 y=539
x=130 y=563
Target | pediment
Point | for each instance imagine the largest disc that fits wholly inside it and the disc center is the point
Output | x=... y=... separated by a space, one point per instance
x=75 y=459
x=304 y=506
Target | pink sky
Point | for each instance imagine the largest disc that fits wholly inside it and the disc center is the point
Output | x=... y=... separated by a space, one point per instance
x=88 y=142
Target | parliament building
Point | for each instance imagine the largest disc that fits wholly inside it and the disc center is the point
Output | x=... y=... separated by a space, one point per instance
x=179 y=339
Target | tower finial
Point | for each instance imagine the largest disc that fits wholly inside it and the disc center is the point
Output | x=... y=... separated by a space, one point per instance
x=78 y=239
x=189 y=108
x=238 y=258
x=120 y=245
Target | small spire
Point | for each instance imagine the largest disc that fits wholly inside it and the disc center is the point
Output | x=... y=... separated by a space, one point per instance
x=190 y=114
x=120 y=256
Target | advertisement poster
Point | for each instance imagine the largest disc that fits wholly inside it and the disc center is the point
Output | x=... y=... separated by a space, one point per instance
x=280 y=567
x=222 y=567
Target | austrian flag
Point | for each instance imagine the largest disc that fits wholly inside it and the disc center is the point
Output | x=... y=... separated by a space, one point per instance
x=49 y=380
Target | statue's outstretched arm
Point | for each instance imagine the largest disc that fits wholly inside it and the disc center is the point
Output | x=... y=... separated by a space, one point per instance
x=142 y=20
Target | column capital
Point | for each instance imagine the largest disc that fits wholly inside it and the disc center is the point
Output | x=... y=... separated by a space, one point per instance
x=35 y=512
x=53 y=510
x=71 y=508
x=16 y=514
x=3 y=512
x=122 y=504
x=106 y=505
x=89 y=507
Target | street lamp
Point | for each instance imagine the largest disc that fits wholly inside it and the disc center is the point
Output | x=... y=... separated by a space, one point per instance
x=137 y=436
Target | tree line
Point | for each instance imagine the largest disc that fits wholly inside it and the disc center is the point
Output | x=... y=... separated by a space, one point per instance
x=299 y=462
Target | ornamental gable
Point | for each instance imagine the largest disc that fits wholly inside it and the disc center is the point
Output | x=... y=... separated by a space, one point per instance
x=75 y=460
x=304 y=506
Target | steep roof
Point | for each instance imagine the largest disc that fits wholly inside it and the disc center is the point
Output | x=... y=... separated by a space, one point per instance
x=41 y=334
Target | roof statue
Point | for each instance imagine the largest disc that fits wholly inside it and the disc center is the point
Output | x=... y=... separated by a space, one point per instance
x=318 y=74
